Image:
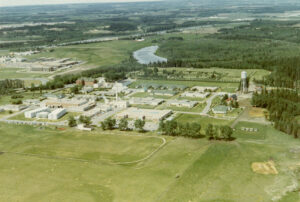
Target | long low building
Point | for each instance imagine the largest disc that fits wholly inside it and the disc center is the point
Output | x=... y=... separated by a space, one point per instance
x=147 y=114
x=63 y=103
x=146 y=101
x=92 y=113
x=14 y=108
x=33 y=113
x=182 y=103
x=195 y=94
x=57 y=114
x=164 y=92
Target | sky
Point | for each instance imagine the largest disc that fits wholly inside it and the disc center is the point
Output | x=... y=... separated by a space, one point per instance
x=44 y=2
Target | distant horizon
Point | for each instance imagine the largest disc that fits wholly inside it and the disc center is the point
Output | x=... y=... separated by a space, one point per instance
x=16 y=3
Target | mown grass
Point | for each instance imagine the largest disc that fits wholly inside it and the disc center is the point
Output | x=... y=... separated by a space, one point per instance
x=183 y=170
x=203 y=120
x=16 y=73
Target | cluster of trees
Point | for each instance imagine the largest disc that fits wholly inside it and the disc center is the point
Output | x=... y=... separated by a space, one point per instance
x=7 y=85
x=114 y=72
x=213 y=132
x=111 y=124
x=233 y=103
x=173 y=128
x=82 y=120
x=283 y=106
x=193 y=130
x=287 y=76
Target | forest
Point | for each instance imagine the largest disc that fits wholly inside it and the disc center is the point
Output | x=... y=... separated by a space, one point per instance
x=7 y=86
x=283 y=107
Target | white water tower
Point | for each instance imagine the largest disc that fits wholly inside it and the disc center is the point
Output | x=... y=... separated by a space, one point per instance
x=244 y=82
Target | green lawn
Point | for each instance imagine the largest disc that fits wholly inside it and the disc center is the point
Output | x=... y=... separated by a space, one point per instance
x=203 y=120
x=6 y=99
x=17 y=73
x=44 y=164
x=225 y=74
x=229 y=87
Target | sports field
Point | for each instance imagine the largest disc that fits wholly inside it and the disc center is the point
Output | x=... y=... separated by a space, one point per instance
x=47 y=164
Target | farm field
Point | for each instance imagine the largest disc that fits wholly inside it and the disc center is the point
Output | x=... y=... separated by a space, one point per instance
x=84 y=166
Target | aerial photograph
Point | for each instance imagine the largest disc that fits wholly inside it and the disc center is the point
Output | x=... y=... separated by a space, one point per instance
x=149 y=101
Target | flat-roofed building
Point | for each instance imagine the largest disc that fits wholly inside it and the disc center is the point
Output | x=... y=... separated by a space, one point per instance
x=64 y=103
x=146 y=101
x=57 y=114
x=182 y=103
x=221 y=109
x=14 y=108
x=31 y=114
x=92 y=113
x=195 y=94
x=42 y=115
x=147 y=114
x=164 y=92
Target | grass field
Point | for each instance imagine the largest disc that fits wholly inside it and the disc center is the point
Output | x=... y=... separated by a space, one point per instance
x=16 y=73
x=44 y=164
x=228 y=87
x=225 y=74
x=203 y=120
x=97 y=54
x=6 y=99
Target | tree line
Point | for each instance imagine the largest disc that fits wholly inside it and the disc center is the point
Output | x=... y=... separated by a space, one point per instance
x=193 y=130
x=284 y=108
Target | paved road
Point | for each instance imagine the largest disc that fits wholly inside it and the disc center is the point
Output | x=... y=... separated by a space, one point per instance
x=209 y=102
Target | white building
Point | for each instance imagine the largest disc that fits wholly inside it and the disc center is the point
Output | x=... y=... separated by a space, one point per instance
x=147 y=114
x=14 y=108
x=32 y=114
x=146 y=101
x=182 y=103
x=82 y=127
x=92 y=113
x=120 y=104
x=119 y=87
x=57 y=114
x=42 y=115
x=195 y=94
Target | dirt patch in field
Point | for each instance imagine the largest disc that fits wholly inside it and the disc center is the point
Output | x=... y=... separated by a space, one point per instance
x=265 y=168
x=256 y=112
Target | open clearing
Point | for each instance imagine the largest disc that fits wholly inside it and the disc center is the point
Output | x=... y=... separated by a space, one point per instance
x=44 y=164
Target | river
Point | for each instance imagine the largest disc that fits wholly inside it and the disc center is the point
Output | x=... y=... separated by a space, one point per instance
x=147 y=55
